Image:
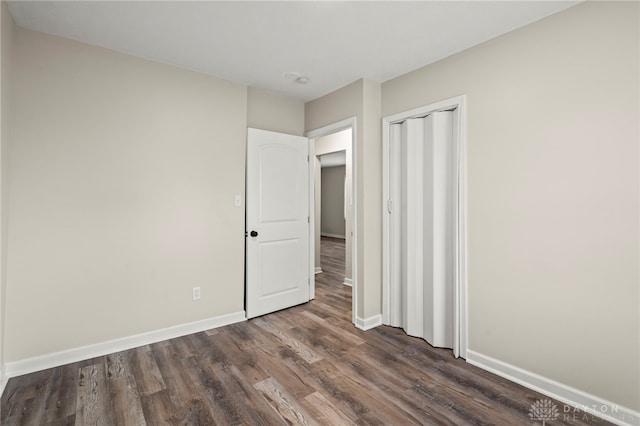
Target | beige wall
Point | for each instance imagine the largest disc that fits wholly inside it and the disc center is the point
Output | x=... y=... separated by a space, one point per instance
x=360 y=99
x=333 y=218
x=553 y=193
x=6 y=42
x=270 y=112
x=369 y=168
x=123 y=176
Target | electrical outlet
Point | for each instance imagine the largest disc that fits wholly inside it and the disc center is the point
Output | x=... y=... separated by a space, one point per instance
x=195 y=293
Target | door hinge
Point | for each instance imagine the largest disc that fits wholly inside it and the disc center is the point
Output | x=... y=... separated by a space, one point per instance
x=307 y=158
x=308 y=219
x=390 y=206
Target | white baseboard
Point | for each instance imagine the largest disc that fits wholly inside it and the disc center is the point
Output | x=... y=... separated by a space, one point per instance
x=3 y=380
x=368 y=323
x=318 y=270
x=326 y=234
x=30 y=365
x=570 y=396
x=348 y=281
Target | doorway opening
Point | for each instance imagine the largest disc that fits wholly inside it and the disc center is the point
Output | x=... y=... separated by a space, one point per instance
x=424 y=224
x=331 y=211
x=334 y=146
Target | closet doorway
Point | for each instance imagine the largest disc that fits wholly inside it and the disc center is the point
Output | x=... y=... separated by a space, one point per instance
x=424 y=224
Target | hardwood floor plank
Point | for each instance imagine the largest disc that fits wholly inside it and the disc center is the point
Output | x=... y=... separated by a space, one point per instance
x=296 y=346
x=61 y=400
x=225 y=408
x=326 y=311
x=144 y=369
x=323 y=411
x=363 y=387
x=123 y=388
x=316 y=376
x=66 y=421
x=117 y=365
x=246 y=361
x=442 y=371
x=383 y=376
x=353 y=339
x=92 y=393
x=186 y=346
x=158 y=408
x=19 y=402
x=285 y=404
x=203 y=393
x=127 y=408
x=176 y=379
x=296 y=384
x=256 y=407
x=212 y=332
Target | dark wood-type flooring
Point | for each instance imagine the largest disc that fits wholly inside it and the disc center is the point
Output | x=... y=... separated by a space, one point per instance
x=304 y=365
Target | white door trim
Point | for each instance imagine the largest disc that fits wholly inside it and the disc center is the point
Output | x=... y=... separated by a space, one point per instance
x=349 y=123
x=461 y=285
x=312 y=219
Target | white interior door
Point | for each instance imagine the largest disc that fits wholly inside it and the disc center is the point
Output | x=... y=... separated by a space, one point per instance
x=277 y=220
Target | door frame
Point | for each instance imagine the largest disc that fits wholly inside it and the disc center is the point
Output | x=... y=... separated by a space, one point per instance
x=349 y=123
x=460 y=234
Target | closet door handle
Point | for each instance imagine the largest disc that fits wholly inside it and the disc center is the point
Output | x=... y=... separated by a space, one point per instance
x=253 y=234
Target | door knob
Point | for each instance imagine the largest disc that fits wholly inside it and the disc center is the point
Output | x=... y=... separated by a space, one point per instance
x=253 y=234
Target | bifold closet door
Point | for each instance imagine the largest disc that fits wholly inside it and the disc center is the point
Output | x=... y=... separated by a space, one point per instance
x=396 y=167
x=421 y=231
x=439 y=221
